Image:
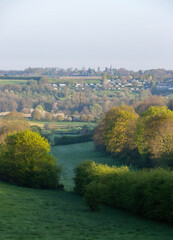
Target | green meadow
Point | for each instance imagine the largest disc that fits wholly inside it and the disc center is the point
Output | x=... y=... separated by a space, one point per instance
x=31 y=214
x=13 y=81
x=70 y=156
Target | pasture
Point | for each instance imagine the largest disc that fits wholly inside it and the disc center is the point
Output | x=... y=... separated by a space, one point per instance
x=60 y=124
x=27 y=214
x=13 y=81
x=30 y=214
x=70 y=156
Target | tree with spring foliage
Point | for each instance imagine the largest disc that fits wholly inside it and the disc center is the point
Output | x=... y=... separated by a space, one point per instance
x=25 y=161
x=116 y=129
x=154 y=132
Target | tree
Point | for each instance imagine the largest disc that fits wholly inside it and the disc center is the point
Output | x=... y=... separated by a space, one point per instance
x=48 y=117
x=153 y=100
x=44 y=80
x=12 y=122
x=98 y=136
x=105 y=81
x=119 y=126
x=40 y=107
x=36 y=115
x=96 y=110
x=154 y=132
x=25 y=160
x=170 y=105
x=116 y=129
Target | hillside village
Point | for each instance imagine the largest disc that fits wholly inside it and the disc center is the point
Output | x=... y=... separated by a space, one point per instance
x=133 y=85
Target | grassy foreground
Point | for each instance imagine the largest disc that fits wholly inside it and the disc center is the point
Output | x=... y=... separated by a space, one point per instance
x=30 y=214
x=70 y=156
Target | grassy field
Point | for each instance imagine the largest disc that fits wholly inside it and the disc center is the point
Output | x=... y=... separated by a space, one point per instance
x=61 y=124
x=29 y=214
x=13 y=81
x=70 y=156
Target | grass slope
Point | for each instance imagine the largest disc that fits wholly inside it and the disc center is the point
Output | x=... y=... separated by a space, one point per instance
x=70 y=156
x=30 y=214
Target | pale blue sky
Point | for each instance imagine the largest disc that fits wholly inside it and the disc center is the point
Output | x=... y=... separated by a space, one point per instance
x=135 y=34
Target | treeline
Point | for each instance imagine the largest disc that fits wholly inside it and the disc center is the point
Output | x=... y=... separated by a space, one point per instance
x=146 y=193
x=20 y=78
x=158 y=74
x=144 y=140
x=65 y=140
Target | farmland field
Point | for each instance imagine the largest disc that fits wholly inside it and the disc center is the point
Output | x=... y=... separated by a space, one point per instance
x=60 y=124
x=13 y=81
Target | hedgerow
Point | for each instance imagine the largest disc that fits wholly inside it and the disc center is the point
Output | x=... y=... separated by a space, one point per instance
x=148 y=193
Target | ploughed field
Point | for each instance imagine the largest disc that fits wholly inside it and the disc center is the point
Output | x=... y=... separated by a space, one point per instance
x=29 y=214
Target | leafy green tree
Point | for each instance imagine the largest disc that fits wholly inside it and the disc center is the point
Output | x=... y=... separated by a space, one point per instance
x=116 y=129
x=40 y=107
x=25 y=160
x=119 y=126
x=96 y=109
x=154 y=132
x=36 y=115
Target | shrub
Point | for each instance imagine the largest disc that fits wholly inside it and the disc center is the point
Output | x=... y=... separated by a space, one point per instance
x=89 y=171
x=92 y=195
x=25 y=160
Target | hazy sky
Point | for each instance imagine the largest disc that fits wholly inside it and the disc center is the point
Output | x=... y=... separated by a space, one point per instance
x=135 y=34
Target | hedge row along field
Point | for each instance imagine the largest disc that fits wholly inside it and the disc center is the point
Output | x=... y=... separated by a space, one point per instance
x=65 y=140
x=146 y=193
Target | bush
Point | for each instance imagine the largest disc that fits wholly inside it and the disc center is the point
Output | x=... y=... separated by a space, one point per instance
x=147 y=193
x=89 y=171
x=93 y=195
x=25 y=161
